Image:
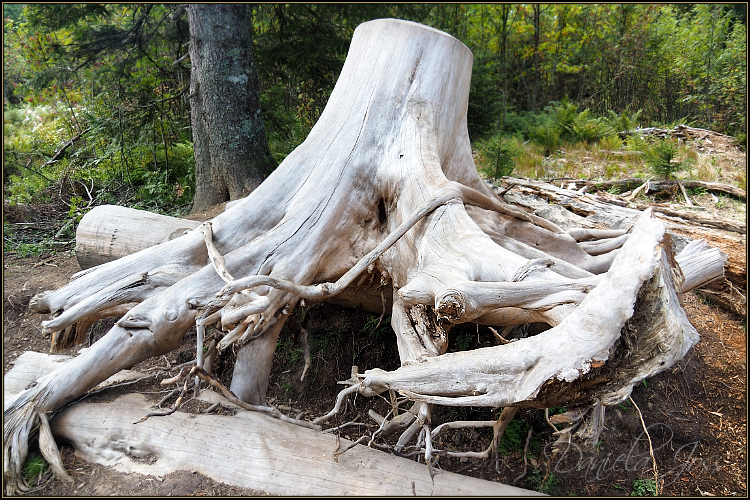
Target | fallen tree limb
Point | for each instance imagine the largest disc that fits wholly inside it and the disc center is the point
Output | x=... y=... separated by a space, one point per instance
x=605 y=208
x=245 y=450
x=654 y=186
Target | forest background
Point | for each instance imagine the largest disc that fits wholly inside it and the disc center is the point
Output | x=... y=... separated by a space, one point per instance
x=96 y=96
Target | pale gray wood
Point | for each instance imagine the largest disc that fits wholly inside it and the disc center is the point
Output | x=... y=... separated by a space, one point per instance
x=253 y=451
x=245 y=450
x=385 y=187
x=108 y=232
x=654 y=186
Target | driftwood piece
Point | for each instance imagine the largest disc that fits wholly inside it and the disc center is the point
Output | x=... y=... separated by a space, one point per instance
x=385 y=187
x=246 y=450
x=252 y=451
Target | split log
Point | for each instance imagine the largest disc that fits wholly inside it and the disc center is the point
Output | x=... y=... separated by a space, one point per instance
x=385 y=185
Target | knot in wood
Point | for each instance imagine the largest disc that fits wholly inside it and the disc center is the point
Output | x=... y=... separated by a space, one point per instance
x=450 y=305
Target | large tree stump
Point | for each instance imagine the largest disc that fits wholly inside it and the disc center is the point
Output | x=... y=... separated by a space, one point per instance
x=385 y=187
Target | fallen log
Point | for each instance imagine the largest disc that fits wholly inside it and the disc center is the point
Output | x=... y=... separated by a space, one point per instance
x=607 y=209
x=247 y=449
x=108 y=232
x=654 y=186
x=697 y=217
x=385 y=187
x=682 y=131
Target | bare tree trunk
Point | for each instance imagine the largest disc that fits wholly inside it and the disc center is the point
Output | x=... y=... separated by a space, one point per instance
x=232 y=156
x=537 y=9
x=385 y=188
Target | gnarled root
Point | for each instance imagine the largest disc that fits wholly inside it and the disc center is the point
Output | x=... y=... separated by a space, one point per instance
x=593 y=357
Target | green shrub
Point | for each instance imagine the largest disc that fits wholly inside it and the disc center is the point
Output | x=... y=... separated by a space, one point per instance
x=377 y=329
x=497 y=156
x=538 y=482
x=662 y=158
x=546 y=134
x=587 y=129
x=622 y=123
x=741 y=139
x=34 y=467
x=514 y=437
x=610 y=142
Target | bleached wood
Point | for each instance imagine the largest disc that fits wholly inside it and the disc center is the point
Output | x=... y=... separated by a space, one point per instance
x=245 y=450
x=602 y=207
x=631 y=184
x=253 y=451
x=108 y=232
x=385 y=187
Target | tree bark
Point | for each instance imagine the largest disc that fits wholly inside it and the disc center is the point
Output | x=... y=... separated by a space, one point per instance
x=384 y=190
x=232 y=156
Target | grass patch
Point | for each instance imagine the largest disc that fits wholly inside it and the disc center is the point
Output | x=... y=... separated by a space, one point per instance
x=34 y=467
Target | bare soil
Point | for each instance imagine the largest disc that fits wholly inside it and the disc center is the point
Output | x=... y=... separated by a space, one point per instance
x=696 y=413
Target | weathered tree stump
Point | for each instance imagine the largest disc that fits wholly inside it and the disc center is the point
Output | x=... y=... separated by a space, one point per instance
x=385 y=187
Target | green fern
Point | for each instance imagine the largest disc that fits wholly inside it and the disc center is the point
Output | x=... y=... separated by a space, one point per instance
x=513 y=437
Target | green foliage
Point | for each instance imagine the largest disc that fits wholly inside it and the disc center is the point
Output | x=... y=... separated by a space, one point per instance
x=124 y=103
x=12 y=242
x=546 y=134
x=556 y=410
x=497 y=155
x=377 y=329
x=561 y=122
x=514 y=437
x=622 y=123
x=34 y=467
x=464 y=341
x=484 y=99
x=539 y=483
x=610 y=143
x=662 y=158
x=118 y=72
x=643 y=488
x=322 y=342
